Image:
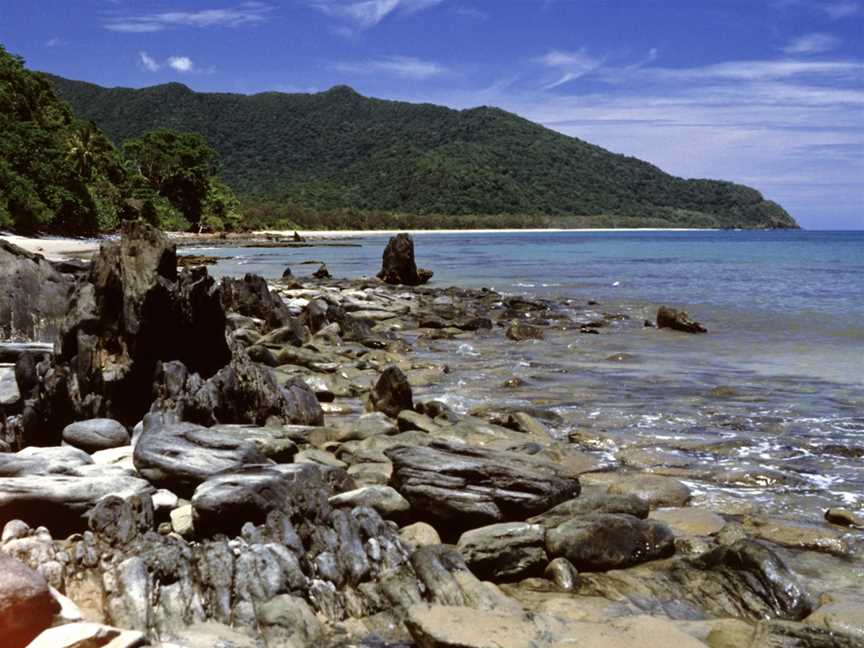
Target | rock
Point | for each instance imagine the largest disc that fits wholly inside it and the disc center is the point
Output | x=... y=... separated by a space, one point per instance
x=844 y=517
x=210 y=634
x=96 y=434
x=601 y=541
x=463 y=487
x=121 y=519
x=26 y=604
x=793 y=534
x=420 y=534
x=13 y=530
x=398 y=265
x=181 y=521
x=322 y=272
x=10 y=395
x=88 y=635
x=60 y=501
x=519 y=331
x=223 y=503
x=592 y=503
x=250 y=296
x=690 y=521
x=367 y=426
x=180 y=456
x=133 y=312
x=562 y=572
x=843 y=613
x=383 y=499
x=658 y=491
x=33 y=294
x=289 y=621
x=392 y=392
x=504 y=552
x=678 y=321
x=242 y=392
x=33 y=461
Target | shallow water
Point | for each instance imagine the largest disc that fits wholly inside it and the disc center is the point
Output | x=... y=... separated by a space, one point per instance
x=774 y=393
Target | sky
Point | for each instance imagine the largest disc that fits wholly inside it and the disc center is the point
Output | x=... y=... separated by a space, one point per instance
x=769 y=93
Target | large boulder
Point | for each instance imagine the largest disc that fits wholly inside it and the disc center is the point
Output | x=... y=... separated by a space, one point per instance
x=678 y=320
x=133 y=311
x=33 y=294
x=462 y=486
x=250 y=296
x=59 y=502
x=225 y=502
x=505 y=551
x=26 y=603
x=398 y=265
x=180 y=456
x=586 y=504
x=34 y=461
x=601 y=541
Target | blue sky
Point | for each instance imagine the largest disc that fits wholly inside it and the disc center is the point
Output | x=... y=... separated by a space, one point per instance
x=765 y=92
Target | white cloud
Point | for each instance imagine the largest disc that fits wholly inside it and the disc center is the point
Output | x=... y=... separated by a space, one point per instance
x=54 y=42
x=815 y=43
x=364 y=14
x=404 y=67
x=148 y=62
x=248 y=13
x=842 y=9
x=182 y=64
x=571 y=65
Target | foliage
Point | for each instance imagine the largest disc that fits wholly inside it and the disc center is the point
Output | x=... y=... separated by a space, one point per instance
x=336 y=150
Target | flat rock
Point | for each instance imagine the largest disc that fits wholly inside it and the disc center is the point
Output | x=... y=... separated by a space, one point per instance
x=86 y=635
x=223 y=503
x=463 y=486
x=842 y=613
x=59 y=501
x=656 y=490
x=34 y=461
x=96 y=434
x=793 y=534
x=588 y=503
x=599 y=541
x=182 y=455
x=690 y=521
x=384 y=499
x=26 y=603
x=505 y=551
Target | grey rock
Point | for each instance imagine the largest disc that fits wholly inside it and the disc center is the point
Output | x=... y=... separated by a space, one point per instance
x=562 y=572
x=678 y=321
x=87 y=635
x=398 y=265
x=383 y=499
x=504 y=552
x=26 y=604
x=601 y=541
x=121 y=519
x=96 y=434
x=462 y=487
x=657 y=490
x=392 y=392
x=225 y=501
x=592 y=503
x=34 y=461
x=519 y=331
x=180 y=456
x=60 y=501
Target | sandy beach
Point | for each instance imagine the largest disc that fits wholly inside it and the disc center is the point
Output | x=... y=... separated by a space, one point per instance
x=54 y=248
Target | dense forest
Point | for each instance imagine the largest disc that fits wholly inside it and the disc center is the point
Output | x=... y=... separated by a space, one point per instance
x=59 y=173
x=336 y=156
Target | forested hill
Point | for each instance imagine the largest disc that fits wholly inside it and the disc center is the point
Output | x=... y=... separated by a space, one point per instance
x=338 y=149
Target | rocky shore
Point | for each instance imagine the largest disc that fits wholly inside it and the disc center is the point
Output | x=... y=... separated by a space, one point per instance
x=247 y=465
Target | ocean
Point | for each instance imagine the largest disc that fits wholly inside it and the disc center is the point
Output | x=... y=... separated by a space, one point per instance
x=771 y=399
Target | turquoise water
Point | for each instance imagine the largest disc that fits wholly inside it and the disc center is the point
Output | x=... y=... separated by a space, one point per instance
x=785 y=313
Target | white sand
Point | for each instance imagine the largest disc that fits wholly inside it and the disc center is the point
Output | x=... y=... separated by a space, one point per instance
x=343 y=233
x=55 y=248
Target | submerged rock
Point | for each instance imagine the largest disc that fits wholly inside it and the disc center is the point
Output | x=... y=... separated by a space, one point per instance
x=398 y=265
x=678 y=321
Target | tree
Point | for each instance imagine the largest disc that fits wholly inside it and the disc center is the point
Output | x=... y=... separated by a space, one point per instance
x=178 y=166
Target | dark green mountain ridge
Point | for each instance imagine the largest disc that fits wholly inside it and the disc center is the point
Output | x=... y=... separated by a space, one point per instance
x=338 y=149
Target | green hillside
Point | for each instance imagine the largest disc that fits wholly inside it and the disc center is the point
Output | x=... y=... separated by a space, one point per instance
x=338 y=149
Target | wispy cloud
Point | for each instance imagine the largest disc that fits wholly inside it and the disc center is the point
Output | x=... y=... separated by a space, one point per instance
x=471 y=12
x=248 y=13
x=364 y=14
x=404 y=67
x=570 y=65
x=842 y=9
x=815 y=43
x=181 y=64
x=55 y=42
